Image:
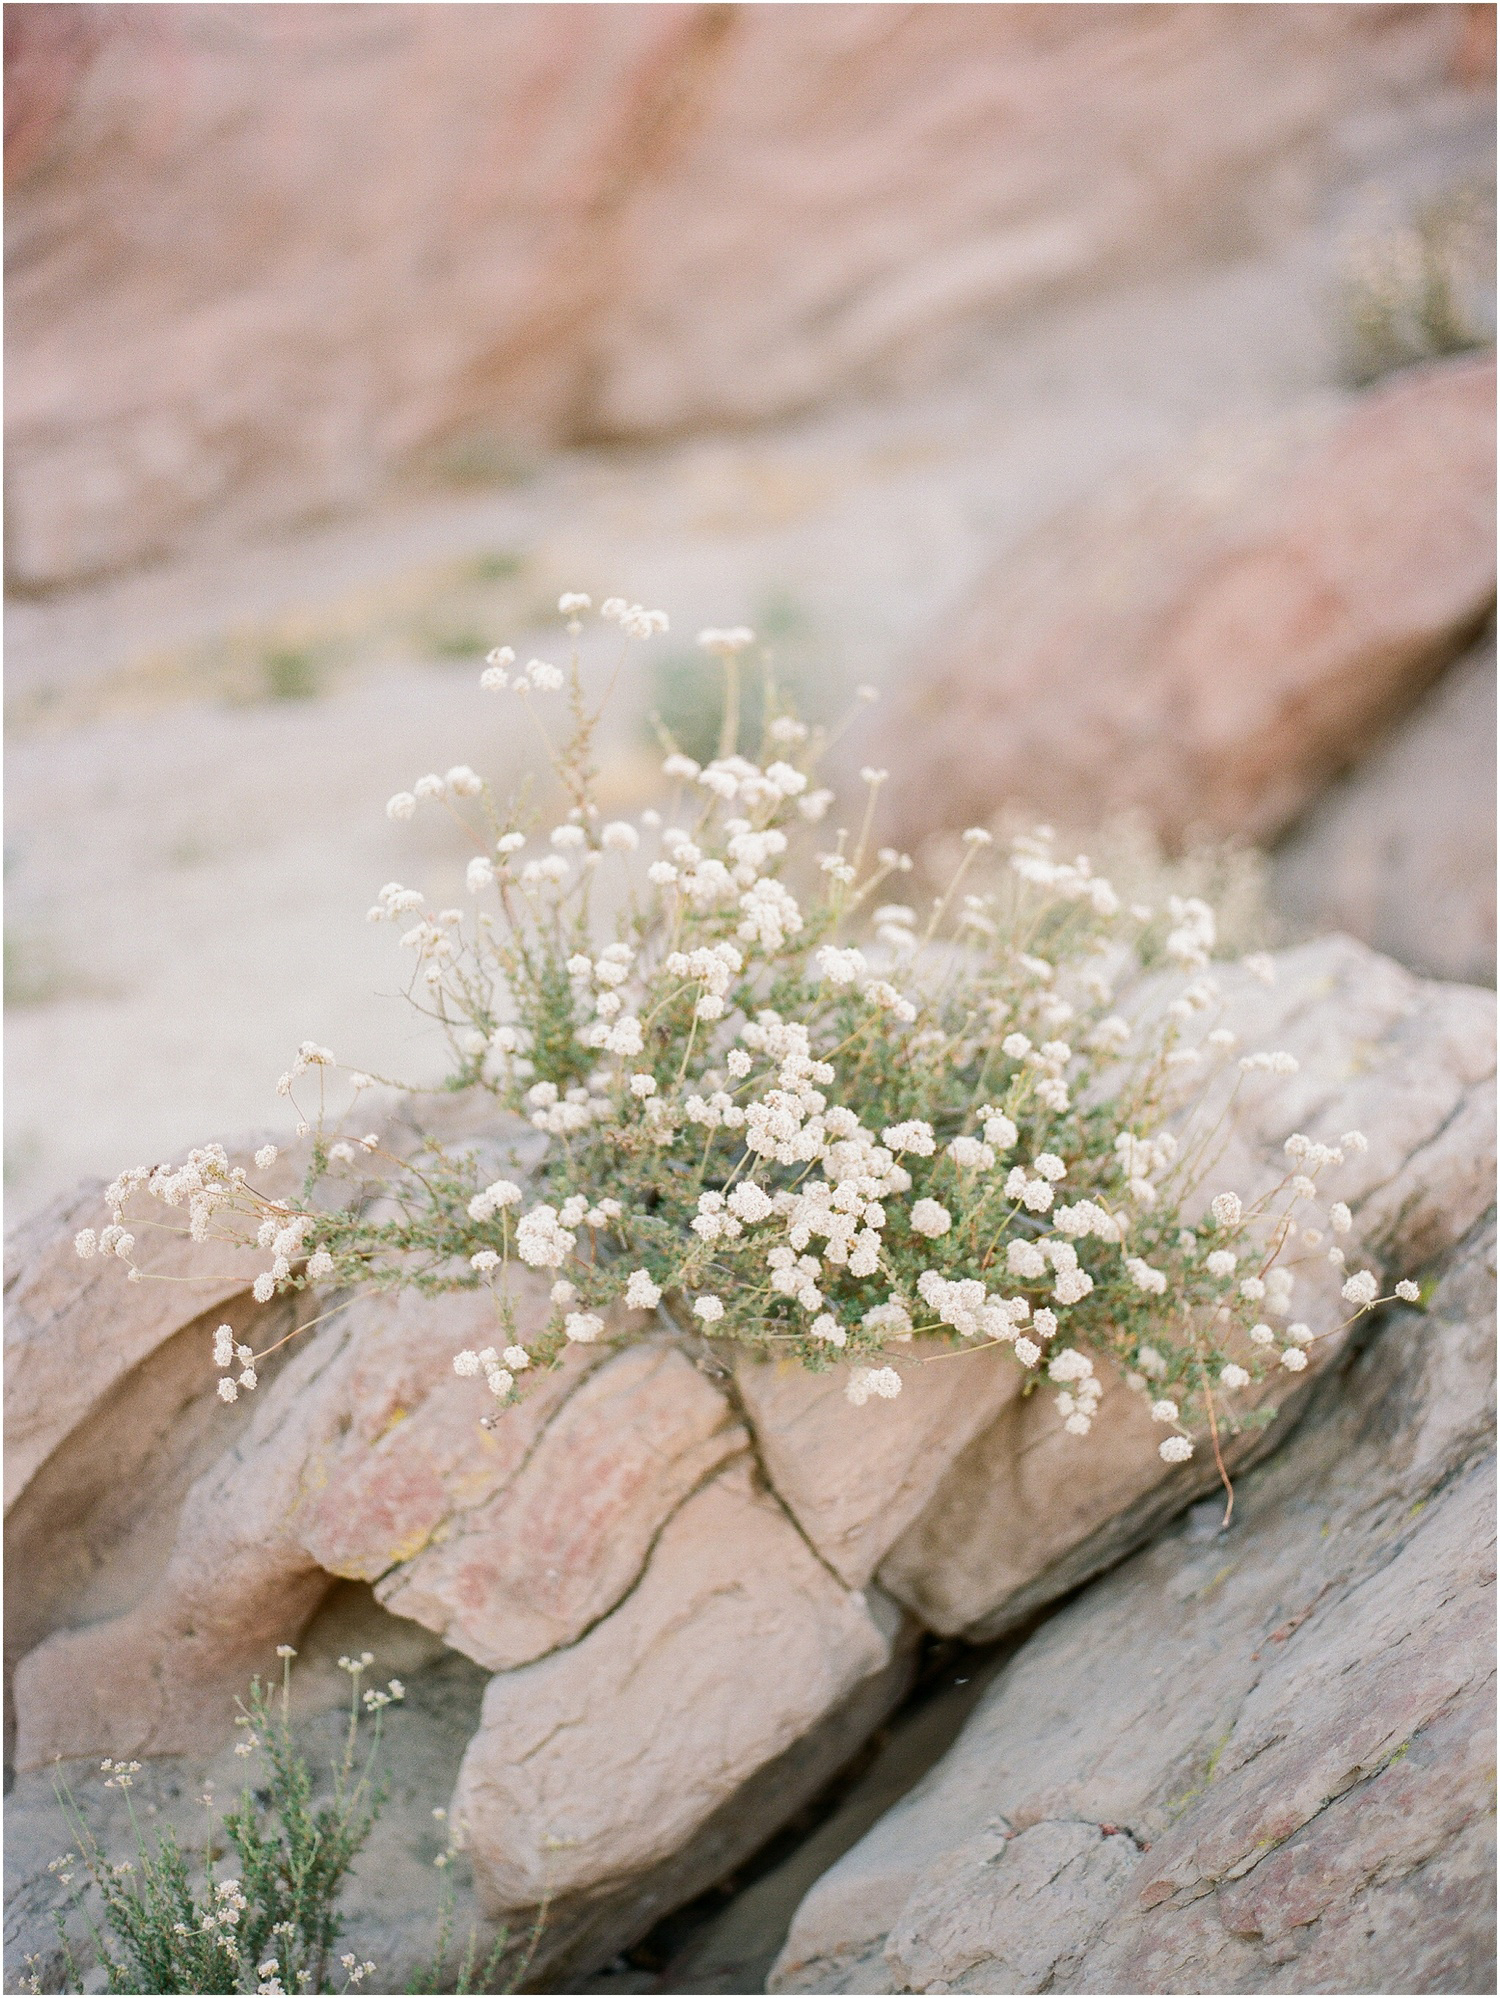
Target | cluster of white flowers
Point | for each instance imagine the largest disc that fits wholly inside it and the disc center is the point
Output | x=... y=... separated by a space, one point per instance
x=801 y=1119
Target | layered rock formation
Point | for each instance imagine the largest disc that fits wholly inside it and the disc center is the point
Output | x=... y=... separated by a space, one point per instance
x=1258 y=1760
x=1211 y=643
x=696 y=1584
x=262 y=258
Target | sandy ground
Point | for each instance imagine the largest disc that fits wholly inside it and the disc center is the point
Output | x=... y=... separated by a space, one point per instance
x=198 y=757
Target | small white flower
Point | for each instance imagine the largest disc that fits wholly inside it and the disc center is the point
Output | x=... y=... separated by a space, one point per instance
x=865 y=1381
x=1361 y=1289
x=1233 y=1376
x=1294 y=1359
x=1227 y=1210
x=85 y=1243
x=710 y=1309
x=734 y=639
x=1262 y=1335
x=619 y=836
x=641 y=1294
x=930 y=1218
x=1175 y=1450
x=582 y=1327
x=1409 y=1292
x=402 y=806
x=1221 y=1263
x=1164 y=1411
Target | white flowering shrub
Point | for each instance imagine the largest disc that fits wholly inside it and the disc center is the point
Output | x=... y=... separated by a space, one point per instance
x=785 y=1107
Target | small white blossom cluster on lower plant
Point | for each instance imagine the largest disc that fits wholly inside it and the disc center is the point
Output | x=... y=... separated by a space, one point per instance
x=785 y=1107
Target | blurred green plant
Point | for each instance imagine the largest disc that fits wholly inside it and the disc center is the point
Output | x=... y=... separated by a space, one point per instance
x=1419 y=289
x=291 y=674
x=687 y=688
x=498 y=565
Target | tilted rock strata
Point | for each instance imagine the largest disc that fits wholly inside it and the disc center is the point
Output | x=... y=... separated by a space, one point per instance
x=626 y=221
x=1024 y=1515
x=600 y=1760
x=668 y=1566
x=1211 y=647
x=1258 y=1761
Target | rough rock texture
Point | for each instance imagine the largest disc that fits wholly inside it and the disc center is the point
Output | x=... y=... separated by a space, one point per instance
x=365 y=1449
x=1402 y=853
x=1024 y=1514
x=1253 y=1761
x=852 y=1492
x=667 y=1565
x=1211 y=646
x=458 y=227
x=572 y=1787
x=55 y=1303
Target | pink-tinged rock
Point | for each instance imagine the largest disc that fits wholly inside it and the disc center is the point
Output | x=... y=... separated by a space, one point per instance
x=1211 y=648
x=1254 y=1761
x=366 y=1458
x=266 y=258
x=855 y=1478
x=1401 y=853
x=1027 y=1511
x=74 y=1329
x=601 y=1761
x=528 y=1569
x=410 y=1450
x=161 y=1677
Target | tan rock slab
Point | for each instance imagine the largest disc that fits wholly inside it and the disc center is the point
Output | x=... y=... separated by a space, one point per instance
x=1027 y=1511
x=855 y=1478
x=1211 y=646
x=602 y=1760
x=1257 y=1761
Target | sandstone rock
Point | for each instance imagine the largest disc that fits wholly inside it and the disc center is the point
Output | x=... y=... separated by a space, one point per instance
x=1244 y=1762
x=1401 y=854
x=1028 y=1512
x=1210 y=649
x=853 y=1487
x=574 y=1786
x=366 y=1459
x=57 y=1366
x=540 y=1561
x=467 y=226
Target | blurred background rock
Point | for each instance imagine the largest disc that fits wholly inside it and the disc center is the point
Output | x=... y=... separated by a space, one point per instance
x=1112 y=385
